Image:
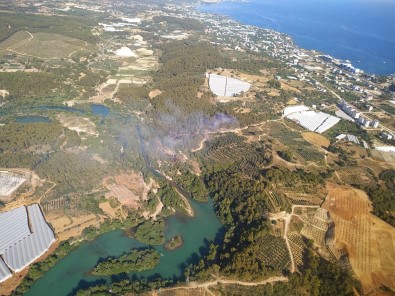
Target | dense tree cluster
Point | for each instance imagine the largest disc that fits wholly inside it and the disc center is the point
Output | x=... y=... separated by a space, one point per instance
x=171 y=198
x=286 y=155
x=78 y=172
x=124 y=287
x=18 y=137
x=317 y=278
x=30 y=85
x=241 y=203
x=134 y=97
x=192 y=184
x=151 y=232
x=135 y=260
x=383 y=196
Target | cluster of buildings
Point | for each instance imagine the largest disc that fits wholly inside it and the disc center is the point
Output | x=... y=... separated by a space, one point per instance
x=24 y=237
x=343 y=64
x=356 y=115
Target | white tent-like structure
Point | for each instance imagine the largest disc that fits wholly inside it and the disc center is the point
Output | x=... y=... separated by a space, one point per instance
x=226 y=86
x=311 y=120
x=125 y=52
x=25 y=236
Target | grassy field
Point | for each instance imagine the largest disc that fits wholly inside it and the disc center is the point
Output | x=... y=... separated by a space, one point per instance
x=44 y=45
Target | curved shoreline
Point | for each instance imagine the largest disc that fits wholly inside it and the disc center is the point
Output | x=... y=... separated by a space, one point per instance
x=364 y=57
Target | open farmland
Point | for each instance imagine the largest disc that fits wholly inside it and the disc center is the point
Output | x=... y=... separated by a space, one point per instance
x=67 y=227
x=369 y=241
x=44 y=45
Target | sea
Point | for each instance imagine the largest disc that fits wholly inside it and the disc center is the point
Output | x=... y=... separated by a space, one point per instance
x=362 y=31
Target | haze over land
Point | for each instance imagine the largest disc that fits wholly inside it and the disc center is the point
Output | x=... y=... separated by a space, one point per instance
x=172 y=149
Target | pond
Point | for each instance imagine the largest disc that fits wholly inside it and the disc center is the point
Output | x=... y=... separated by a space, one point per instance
x=73 y=271
x=100 y=110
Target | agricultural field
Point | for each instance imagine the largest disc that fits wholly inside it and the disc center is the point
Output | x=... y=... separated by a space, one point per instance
x=44 y=45
x=128 y=188
x=305 y=196
x=277 y=202
x=316 y=227
x=292 y=139
x=231 y=149
x=69 y=226
x=298 y=246
x=273 y=252
x=369 y=241
x=384 y=156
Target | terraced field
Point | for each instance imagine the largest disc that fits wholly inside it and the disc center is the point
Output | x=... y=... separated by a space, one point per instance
x=316 y=227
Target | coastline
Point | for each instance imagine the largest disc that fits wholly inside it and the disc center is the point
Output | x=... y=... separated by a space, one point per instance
x=230 y=8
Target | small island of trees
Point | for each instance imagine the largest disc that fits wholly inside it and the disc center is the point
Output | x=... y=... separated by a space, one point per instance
x=135 y=260
x=174 y=243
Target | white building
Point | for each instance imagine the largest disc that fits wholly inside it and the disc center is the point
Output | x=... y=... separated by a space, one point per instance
x=375 y=123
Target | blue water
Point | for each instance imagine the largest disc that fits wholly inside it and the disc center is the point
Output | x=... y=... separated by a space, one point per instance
x=362 y=31
x=100 y=110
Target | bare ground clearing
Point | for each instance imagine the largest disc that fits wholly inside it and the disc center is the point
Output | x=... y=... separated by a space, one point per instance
x=316 y=139
x=78 y=124
x=67 y=226
x=155 y=93
x=129 y=188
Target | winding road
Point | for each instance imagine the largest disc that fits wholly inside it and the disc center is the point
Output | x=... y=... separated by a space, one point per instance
x=206 y=285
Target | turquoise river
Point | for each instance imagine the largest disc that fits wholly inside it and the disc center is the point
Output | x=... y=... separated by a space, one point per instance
x=72 y=272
